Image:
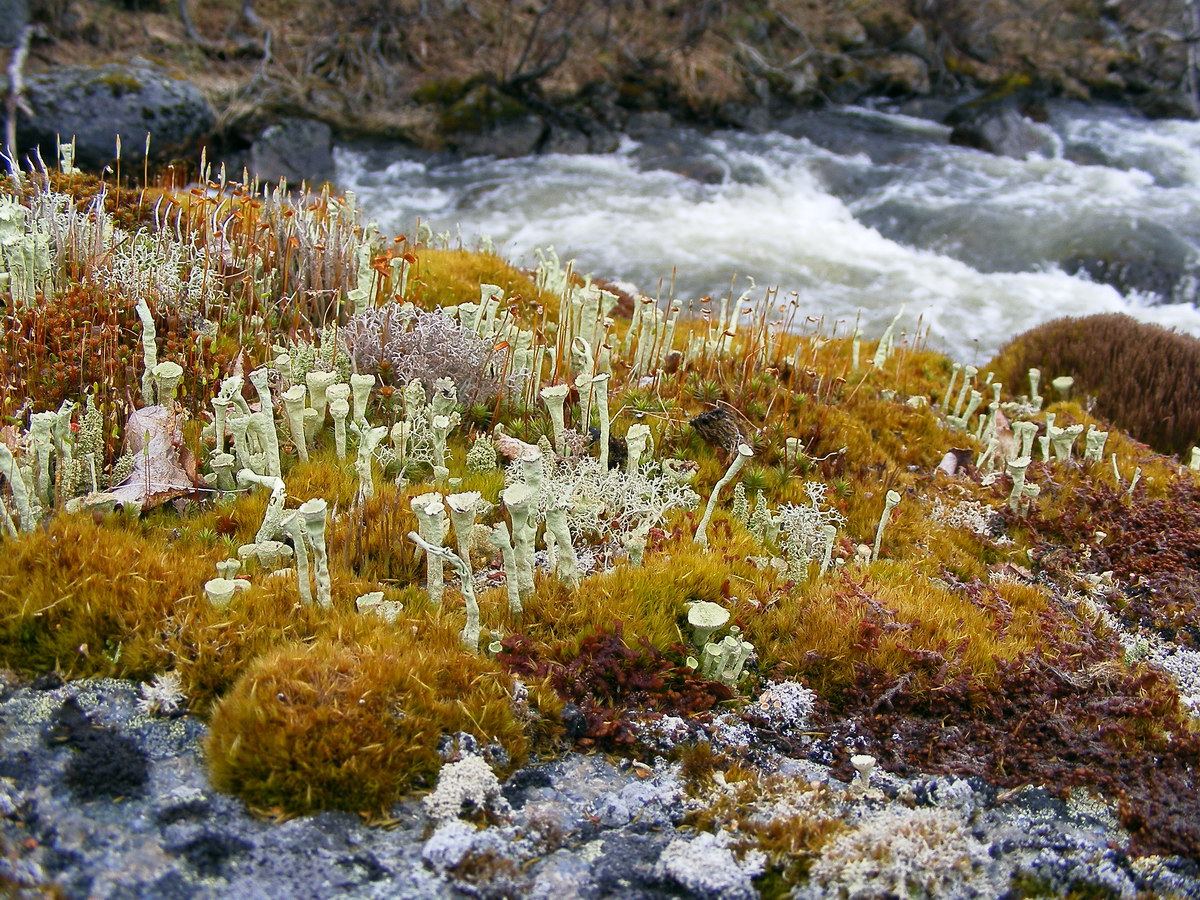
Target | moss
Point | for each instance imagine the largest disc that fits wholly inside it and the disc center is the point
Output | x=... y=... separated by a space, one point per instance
x=441 y=91
x=448 y=277
x=1143 y=376
x=88 y=600
x=939 y=625
x=1028 y=886
x=477 y=106
x=884 y=617
x=119 y=81
x=353 y=726
x=787 y=819
x=649 y=600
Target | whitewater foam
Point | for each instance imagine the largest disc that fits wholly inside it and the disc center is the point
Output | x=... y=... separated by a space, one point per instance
x=972 y=243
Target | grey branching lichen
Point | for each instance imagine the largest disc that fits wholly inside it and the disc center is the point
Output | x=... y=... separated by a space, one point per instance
x=400 y=343
x=803 y=536
x=602 y=503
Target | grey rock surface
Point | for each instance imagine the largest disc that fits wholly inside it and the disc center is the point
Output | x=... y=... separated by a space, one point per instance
x=1001 y=128
x=294 y=149
x=505 y=139
x=580 y=826
x=95 y=104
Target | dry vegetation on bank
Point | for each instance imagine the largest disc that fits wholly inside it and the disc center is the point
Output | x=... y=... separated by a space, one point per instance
x=424 y=70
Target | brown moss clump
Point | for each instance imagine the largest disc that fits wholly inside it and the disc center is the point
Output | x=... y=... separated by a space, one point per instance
x=615 y=684
x=1151 y=545
x=1146 y=379
x=1068 y=716
x=78 y=341
x=353 y=725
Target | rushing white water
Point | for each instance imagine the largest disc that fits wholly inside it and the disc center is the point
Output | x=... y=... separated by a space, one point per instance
x=866 y=212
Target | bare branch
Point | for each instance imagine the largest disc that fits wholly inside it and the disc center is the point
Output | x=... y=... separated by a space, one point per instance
x=16 y=100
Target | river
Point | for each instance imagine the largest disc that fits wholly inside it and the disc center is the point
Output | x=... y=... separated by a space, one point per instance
x=850 y=213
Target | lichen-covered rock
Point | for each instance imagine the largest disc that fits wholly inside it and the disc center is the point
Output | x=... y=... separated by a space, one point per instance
x=95 y=104
x=708 y=868
x=914 y=853
x=468 y=783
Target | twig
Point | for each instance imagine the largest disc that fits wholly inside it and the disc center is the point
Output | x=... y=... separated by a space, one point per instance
x=16 y=101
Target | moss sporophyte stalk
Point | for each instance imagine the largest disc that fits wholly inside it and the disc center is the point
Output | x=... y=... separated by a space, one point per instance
x=315 y=486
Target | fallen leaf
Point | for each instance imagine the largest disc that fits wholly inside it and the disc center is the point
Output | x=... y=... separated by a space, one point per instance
x=154 y=435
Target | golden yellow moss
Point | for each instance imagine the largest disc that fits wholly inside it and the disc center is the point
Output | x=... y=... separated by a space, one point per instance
x=825 y=630
x=84 y=599
x=449 y=277
x=353 y=724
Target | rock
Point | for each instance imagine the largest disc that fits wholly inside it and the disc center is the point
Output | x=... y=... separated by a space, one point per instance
x=1001 y=126
x=95 y=104
x=603 y=140
x=1163 y=104
x=900 y=75
x=916 y=42
x=707 y=868
x=295 y=149
x=504 y=139
x=641 y=124
x=562 y=875
x=752 y=117
x=886 y=140
x=14 y=16
x=848 y=87
x=844 y=30
x=1132 y=254
x=565 y=139
x=935 y=109
x=671 y=151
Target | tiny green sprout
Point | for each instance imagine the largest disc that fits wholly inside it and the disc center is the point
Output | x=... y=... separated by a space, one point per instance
x=754 y=479
x=706 y=390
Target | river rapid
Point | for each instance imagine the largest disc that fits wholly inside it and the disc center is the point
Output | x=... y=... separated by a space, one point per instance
x=849 y=213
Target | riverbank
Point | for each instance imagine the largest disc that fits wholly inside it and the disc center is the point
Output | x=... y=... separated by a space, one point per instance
x=487 y=77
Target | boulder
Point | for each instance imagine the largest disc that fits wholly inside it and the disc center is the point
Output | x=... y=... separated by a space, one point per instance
x=900 y=75
x=752 y=117
x=1166 y=104
x=569 y=140
x=1133 y=255
x=916 y=42
x=673 y=151
x=845 y=31
x=294 y=149
x=95 y=104
x=505 y=139
x=1002 y=126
